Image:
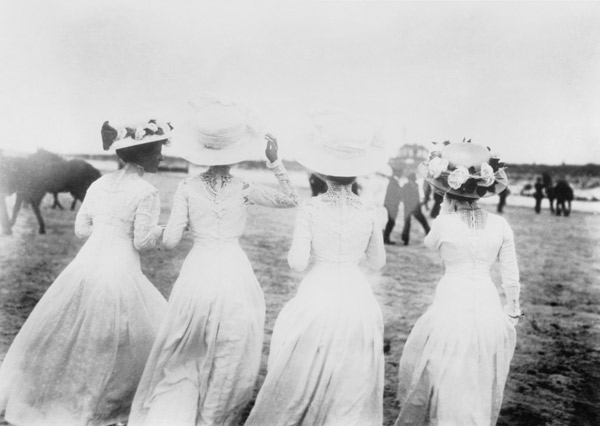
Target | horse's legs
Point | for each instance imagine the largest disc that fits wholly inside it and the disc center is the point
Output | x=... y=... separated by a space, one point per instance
x=76 y=197
x=56 y=202
x=16 y=208
x=4 y=220
x=35 y=205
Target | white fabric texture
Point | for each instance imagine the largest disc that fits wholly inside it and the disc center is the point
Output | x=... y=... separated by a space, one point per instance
x=326 y=358
x=456 y=360
x=205 y=361
x=78 y=358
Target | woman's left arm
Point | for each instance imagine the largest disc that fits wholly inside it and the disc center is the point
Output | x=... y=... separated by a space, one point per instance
x=375 y=250
x=145 y=223
x=509 y=270
x=84 y=224
x=264 y=196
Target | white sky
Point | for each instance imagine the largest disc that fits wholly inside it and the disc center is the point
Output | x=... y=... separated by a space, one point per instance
x=523 y=78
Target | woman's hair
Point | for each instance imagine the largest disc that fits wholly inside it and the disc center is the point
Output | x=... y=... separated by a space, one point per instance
x=460 y=199
x=133 y=154
x=342 y=180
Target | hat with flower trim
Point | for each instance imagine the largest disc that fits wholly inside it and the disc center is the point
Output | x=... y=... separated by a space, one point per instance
x=128 y=136
x=464 y=169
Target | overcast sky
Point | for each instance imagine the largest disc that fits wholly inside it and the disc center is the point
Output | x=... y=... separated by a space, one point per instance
x=523 y=78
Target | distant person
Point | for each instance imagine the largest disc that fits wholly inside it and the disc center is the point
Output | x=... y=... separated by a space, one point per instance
x=427 y=190
x=412 y=207
x=564 y=195
x=502 y=201
x=391 y=203
x=549 y=189
x=538 y=194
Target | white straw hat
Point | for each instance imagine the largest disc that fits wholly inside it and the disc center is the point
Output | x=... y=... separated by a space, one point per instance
x=222 y=133
x=342 y=145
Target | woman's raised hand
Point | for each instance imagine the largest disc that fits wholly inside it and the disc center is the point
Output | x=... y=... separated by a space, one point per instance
x=272 y=148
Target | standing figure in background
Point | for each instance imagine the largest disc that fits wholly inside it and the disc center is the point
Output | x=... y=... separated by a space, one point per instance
x=549 y=187
x=78 y=358
x=538 y=194
x=457 y=357
x=206 y=357
x=412 y=207
x=391 y=203
x=564 y=196
x=502 y=199
x=438 y=199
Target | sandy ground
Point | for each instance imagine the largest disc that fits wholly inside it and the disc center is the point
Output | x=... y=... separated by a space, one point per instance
x=555 y=374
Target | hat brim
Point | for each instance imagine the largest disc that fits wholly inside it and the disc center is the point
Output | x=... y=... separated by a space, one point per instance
x=500 y=183
x=326 y=163
x=130 y=142
x=247 y=148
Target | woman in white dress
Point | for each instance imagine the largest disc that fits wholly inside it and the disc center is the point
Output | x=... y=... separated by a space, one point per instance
x=78 y=358
x=326 y=358
x=205 y=361
x=456 y=360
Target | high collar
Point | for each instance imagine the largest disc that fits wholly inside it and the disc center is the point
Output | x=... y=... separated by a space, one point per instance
x=132 y=168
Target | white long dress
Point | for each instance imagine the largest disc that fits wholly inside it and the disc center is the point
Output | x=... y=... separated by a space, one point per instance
x=78 y=358
x=326 y=359
x=205 y=361
x=456 y=360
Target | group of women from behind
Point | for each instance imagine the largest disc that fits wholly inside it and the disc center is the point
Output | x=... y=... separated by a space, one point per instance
x=103 y=346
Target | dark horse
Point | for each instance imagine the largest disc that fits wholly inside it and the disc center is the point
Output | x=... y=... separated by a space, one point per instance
x=564 y=196
x=34 y=176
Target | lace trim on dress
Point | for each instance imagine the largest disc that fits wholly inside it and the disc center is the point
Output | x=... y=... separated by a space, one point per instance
x=337 y=194
x=475 y=218
x=215 y=182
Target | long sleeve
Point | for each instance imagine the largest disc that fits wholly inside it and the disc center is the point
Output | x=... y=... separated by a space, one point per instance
x=375 y=252
x=265 y=196
x=509 y=271
x=433 y=238
x=84 y=224
x=145 y=224
x=178 y=220
x=299 y=253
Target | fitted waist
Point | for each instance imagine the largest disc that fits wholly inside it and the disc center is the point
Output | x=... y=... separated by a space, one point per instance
x=468 y=270
x=214 y=241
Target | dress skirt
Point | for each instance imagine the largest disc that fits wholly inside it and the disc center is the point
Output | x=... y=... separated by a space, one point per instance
x=326 y=359
x=204 y=364
x=456 y=359
x=78 y=358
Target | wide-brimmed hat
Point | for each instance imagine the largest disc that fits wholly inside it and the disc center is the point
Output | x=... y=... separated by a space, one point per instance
x=221 y=133
x=464 y=169
x=340 y=144
x=133 y=135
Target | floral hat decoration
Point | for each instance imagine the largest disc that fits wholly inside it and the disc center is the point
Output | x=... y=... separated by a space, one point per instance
x=125 y=137
x=464 y=169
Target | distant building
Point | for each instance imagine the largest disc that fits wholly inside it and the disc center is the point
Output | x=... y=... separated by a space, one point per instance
x=408 y=157
x=412 y=153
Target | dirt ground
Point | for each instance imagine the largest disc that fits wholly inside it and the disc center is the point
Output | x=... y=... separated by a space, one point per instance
x=555 y=374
